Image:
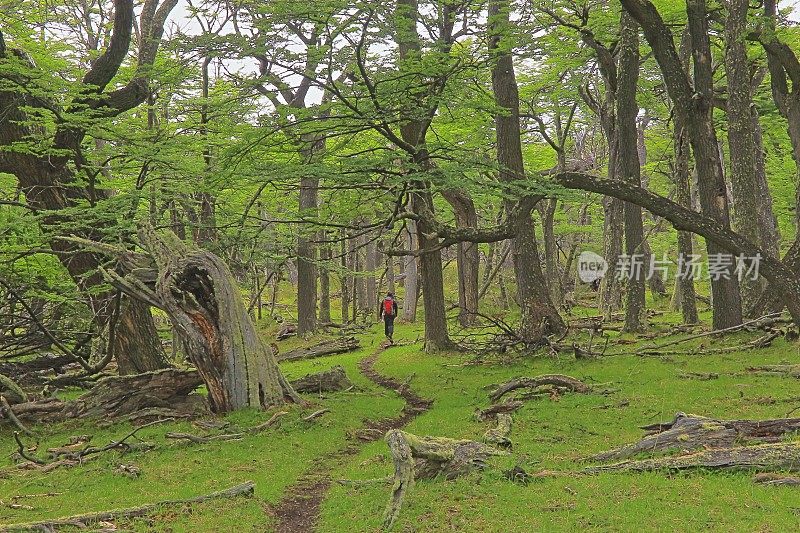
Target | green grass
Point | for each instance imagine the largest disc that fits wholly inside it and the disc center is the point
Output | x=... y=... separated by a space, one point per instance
x=548 y=435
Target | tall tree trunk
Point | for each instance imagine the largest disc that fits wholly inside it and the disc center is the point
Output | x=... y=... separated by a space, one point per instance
x=629 y=170
x=468 y=258
x=411 y=274
x=548 y=212
x=324 y=280
x=345 y=278
x=685 y=297
x=742 y=142
x=370 y=303
x=539 y=316
x=306 y=262
x=413 y=133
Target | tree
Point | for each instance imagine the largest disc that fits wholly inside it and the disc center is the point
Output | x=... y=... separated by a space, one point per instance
x=539 y=316
x=695 y=105
x=52 y=179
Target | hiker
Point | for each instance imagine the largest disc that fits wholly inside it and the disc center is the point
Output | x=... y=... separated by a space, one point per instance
x=388 y=312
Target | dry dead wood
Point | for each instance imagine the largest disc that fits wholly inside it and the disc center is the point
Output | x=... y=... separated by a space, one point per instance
x=559 y=382
x=692 y=432
x=83 y=520
x=315 y=415
x=773 y=457
x=331 y=380
x=330 y=347
x=422 y=457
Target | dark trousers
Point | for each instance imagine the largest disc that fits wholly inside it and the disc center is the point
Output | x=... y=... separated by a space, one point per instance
x=388 y=325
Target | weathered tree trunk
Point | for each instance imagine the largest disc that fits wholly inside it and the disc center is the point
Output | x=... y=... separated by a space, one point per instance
x=629 y=169
x=539 y=316
x=136 y=344
x=778 y=457
x=692 y=432
x=199 y=294
x=330 y=347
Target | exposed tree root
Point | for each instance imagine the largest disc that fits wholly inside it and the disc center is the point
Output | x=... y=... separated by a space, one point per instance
x=331 y=347
x=81 y=521
x=558 y=382
x=776 y=457
x=331 y=380
x=490 y=413
x=422 y=457
x=79 y=451
x=692 y=432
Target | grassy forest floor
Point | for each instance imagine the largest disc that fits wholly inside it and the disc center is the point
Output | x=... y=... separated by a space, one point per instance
x=547 y=435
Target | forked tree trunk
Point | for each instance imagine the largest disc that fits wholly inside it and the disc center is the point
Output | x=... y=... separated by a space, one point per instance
x=198 y=292
x=538 y=315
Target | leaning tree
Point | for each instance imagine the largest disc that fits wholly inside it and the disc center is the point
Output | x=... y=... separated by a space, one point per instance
x=197 y=291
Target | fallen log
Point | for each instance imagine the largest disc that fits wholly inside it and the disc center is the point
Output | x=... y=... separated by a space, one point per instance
x=418 y=457
x=330 y=347
x=136 y=398
x=331 y=380
x=768 y=478
x=558 y=382
x=12 y=392
x=693 y=432
x=774 y=457
x=245 y=489
x=792 y=371
x=122 y=396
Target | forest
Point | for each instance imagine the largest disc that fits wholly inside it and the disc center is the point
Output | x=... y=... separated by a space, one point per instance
x=413 y=265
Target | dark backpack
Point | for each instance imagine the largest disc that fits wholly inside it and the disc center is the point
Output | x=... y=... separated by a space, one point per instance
x=388 y=306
